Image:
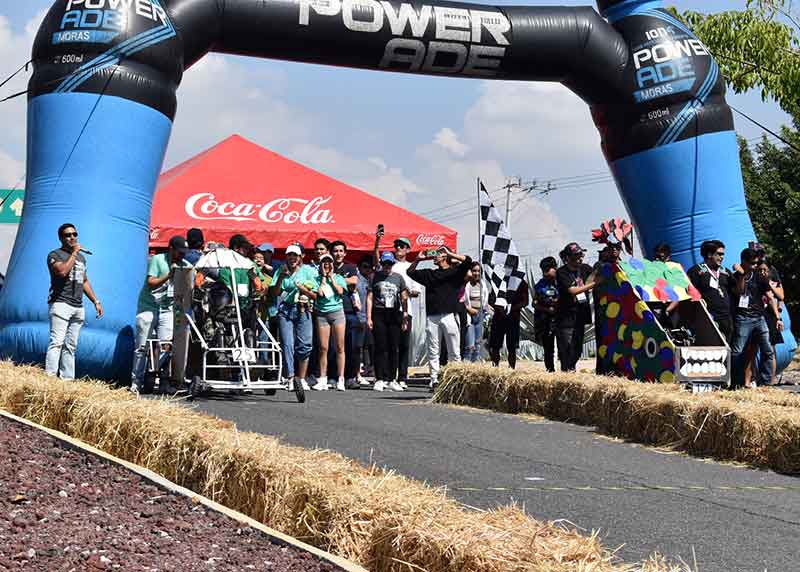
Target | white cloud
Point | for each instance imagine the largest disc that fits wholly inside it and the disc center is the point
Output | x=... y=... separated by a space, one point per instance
x=447 y=139
x=11 y=171
x=528 y=120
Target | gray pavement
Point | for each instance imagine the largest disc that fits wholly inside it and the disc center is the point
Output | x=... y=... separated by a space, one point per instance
x=642 y=500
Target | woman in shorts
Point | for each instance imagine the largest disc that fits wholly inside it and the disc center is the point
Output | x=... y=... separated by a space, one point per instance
x=329 y=289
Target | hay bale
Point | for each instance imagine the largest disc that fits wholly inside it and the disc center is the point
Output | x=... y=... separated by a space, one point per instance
x=761 y=428
x=385 y=522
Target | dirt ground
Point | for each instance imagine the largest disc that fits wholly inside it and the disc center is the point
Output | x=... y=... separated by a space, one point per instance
x=64 y=510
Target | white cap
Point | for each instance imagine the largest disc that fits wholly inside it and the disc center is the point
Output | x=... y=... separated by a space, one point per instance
x=294 y=249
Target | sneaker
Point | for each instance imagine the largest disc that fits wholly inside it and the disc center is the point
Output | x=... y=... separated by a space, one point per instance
x=289 y=385
x=352 y=383
x=340 y=384
x=321 y=385
x=404 y=385
x=394 y=386
x=135 y=389
x=379 y=386
x=304 y=385
x=363 y=382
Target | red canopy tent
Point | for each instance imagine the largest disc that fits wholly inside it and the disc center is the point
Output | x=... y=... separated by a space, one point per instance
x=238 y=187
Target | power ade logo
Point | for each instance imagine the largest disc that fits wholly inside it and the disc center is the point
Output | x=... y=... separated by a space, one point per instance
x=100 y=21
x=666 y=66
x=457 y=44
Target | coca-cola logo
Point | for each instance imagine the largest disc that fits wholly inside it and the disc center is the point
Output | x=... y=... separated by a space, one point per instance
x=205 y=206
x=430 y=240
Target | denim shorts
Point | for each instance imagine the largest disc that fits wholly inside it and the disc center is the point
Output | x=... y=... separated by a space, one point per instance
x=330 y=318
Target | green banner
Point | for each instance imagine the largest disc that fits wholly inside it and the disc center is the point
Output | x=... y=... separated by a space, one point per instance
x=11 y=209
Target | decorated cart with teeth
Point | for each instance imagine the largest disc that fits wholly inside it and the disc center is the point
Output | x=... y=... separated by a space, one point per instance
x=652 y=325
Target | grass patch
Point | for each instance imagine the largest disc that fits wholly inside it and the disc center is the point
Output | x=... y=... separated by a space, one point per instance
x=381 y=520
x=760 y=428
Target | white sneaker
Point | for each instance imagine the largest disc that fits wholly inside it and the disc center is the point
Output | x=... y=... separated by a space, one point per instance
x=321 y=385
x=340 y=384
x=289 y=384
x=404 y=385
x=304 y=385
x=134 y=389
x=379 y=386
x=362 y=382
x=394 y=386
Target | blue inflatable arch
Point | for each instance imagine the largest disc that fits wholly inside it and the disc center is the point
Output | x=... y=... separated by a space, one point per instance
x=102 y=101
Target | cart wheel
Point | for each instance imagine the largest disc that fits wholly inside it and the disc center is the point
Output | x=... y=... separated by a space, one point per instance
x=270 y=392
x=299 y=392
x=149 y=383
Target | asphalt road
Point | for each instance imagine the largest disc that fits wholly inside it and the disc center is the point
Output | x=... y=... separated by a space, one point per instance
x=733 y=519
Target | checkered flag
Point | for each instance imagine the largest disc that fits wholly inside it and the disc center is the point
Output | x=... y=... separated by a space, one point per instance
x=499 y=254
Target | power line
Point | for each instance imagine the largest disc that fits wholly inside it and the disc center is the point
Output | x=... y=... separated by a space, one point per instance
x=767 y=129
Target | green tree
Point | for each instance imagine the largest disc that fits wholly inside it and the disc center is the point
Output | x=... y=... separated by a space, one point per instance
x=772 y=186
x=758 y=47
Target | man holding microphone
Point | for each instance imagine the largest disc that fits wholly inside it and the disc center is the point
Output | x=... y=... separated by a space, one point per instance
x=68 y=284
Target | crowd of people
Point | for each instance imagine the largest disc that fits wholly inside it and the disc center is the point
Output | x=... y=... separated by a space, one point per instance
x=340 y=323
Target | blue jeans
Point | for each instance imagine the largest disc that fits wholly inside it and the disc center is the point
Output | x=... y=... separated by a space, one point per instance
x=65 y=326
x=295 y=329
x=474 y=338
x=746 y=329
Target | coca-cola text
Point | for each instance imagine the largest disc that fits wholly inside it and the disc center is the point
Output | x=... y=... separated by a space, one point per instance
x=205 y=206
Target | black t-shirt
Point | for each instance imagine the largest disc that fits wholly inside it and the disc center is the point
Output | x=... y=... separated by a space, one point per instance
x=348 y=270
x=755 y=290
x=442 y=287
x=716 y=289
x=386 y=290
x=69 y=289
x=570 y=307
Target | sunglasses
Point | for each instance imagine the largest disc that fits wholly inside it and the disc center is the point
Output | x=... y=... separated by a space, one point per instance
x=70 y=234
x=719 y=254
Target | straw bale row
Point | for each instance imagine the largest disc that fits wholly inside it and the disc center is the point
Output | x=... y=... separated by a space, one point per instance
x=372 y=516
x=761 y=428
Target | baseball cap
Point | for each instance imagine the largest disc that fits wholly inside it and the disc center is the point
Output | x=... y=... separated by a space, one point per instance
x=403 y=240
x=294 y=249
x=265 y=247
x=178 y=243
x=194 y=238
x=325 y=258
x=388 y=257
x=573 y=248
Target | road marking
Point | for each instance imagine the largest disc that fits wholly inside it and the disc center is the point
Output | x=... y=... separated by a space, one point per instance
x=634 y=488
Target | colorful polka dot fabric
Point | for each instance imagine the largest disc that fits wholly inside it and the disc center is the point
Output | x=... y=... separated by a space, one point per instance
x=630 y=341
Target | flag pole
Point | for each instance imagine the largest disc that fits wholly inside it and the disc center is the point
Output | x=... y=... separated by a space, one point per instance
x=479 y=343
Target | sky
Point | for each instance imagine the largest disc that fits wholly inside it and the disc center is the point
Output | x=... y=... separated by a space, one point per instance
x=419 y=142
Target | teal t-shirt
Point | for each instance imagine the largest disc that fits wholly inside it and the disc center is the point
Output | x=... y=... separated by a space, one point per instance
x=152 y=300
x=305 y=275
x=327 y=304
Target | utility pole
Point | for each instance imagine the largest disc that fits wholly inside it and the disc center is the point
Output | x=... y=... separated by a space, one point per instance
x=511 y=183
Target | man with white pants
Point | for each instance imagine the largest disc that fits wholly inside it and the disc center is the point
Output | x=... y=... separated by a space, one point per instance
x=68 y=284
x=442 y=286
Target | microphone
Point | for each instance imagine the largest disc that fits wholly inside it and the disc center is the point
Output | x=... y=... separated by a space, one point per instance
x=89 y=252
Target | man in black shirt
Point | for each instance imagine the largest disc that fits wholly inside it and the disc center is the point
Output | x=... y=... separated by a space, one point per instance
x=574 y=281
x=350 y=274
x=442 y=287
x=68 y=284
x=749 y=294
x=715 y=284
